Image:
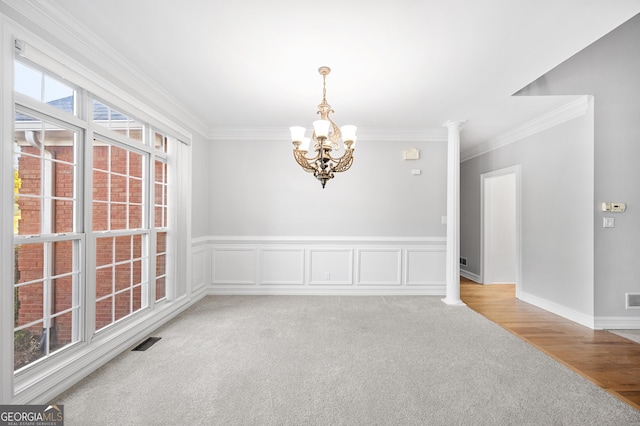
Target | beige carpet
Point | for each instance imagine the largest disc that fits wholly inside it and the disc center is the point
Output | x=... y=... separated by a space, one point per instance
x=297 y=360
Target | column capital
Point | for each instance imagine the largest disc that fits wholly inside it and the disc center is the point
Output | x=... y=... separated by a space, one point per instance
x=454 y=124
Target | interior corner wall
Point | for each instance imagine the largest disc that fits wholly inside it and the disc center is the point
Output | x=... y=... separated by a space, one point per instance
x=256 y=188
x=201 y=167
x=556 y=214
x=609 y=69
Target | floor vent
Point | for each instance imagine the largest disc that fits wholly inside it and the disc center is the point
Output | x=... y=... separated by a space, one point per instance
x=149 y=341
x=633 y=300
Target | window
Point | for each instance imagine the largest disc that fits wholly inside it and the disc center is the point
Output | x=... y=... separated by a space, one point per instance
x=46 y=243
x=108 y=117
x=45 y=88
x=160 y=209
x=121 y=248
x=87 y=191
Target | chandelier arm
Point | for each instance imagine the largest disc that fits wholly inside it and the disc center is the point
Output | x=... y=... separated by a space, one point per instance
x=306 y=163
x=343 y=163
x=336 y=135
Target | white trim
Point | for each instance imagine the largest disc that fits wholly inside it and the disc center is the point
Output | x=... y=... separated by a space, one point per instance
x=398 y=271
x=408 y=275
x=470 y=275
x=563 y=311
x=517 y=171
x=339 y=290
x=6 y=217
x=573 y=109
x=49 y=26
x=240 y=239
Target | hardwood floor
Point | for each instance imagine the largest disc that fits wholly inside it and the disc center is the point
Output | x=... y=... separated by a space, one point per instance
x=608 y=360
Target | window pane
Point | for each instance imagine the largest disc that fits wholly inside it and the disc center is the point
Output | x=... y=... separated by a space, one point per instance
x=29 y=260
x=28 y=81
x=123 y=276
x=26 y=346
x=104 y=251
x=123 y=248
x=120 y=271
x=117 y=195
x=63 y=256
x=62 y=294
x=63 y=334
x=100 y=213
x=44 y=178
x=161 y=264
x=47 y=300
x=108 y=117
x=160 y=142
x=30 y=304
x=104 y=281
x=104 y=312
x=123 y=305
x=44 y=87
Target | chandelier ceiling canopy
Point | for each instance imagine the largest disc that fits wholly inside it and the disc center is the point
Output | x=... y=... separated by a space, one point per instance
x=326 y=137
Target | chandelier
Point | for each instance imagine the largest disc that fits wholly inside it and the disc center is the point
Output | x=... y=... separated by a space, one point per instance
x=326 y=137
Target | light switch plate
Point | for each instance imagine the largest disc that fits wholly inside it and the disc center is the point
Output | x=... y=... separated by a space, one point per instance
x=608 y=222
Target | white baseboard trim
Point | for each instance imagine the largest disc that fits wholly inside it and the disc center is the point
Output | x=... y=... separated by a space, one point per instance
x=471 y=276
x=617 y=323
x=563 y=311
x=436 y=290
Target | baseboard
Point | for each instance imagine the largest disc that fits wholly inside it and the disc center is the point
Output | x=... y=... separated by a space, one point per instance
x=471 y=276
x=563 y=311
x=617 y=323
x=436 y=290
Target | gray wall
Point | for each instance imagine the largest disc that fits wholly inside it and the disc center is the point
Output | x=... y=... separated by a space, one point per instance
x=256 y=188
x=556 y=211
x=201 y=166
x=610 y=70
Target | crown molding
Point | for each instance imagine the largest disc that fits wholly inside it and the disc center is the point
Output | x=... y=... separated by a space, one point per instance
x=74 y=39
x=571 y=110
x=365 y=134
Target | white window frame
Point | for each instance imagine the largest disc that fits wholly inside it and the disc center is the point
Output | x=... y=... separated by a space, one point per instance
x=55 y=62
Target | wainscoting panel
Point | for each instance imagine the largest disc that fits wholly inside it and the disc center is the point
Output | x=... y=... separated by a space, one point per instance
x=282 y=266
x=199 y=267
x=233 y=266
x=321 y=265
x=330 y=267
x=426 y=266
x=379 y=267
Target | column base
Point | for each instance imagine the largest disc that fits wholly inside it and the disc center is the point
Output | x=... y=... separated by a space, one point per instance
x=453 y=302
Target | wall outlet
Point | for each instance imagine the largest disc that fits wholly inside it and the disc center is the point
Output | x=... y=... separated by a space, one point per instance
x=463 y=261
x=327 y=276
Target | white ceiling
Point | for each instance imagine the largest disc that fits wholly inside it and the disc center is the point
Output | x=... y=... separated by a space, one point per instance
x=396 y=64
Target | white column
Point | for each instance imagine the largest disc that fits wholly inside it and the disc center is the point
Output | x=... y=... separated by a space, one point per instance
x=453 y=213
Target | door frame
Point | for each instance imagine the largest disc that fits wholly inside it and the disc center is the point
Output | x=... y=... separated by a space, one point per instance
x=517 y=172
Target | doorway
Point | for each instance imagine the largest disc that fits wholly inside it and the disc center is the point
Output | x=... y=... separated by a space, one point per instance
x=500 y=228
